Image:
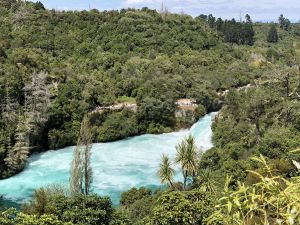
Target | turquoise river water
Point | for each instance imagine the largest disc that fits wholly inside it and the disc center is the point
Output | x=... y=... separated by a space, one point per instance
x=117 y=166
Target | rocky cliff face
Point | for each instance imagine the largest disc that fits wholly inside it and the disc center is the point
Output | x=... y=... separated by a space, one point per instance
x=185 y=108
x=185 y=112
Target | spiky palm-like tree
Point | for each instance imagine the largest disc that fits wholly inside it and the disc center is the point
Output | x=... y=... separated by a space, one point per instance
x=186 y=157
x=206 y=182
x=166 y=172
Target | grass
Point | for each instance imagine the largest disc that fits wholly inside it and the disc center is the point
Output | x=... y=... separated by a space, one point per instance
x=126 y=99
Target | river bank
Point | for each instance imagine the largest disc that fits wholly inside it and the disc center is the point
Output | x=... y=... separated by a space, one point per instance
x=118 y=166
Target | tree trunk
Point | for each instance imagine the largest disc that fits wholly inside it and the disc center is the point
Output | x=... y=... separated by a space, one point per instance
x=86 y=173
x=86 y=191
x=184 y=180
x=171 y=184
x=257 y=131
x=287 y=85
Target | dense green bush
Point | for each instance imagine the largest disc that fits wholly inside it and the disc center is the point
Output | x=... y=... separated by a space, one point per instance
x=137 y=203
x=78 y=209
x=262 y=119
x=192 y=207
x=200 y=112
x=117 y=126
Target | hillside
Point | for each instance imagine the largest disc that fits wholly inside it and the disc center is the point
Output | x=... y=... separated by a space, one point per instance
x=80 y=77
x=58 y=66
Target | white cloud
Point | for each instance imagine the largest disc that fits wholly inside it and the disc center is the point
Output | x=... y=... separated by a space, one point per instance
x=140 y=1
x=261 y=9
x=216 y=3
x=258 y=9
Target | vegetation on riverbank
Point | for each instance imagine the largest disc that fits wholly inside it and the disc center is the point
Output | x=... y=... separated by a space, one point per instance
x=273 y=199
x=57 y=67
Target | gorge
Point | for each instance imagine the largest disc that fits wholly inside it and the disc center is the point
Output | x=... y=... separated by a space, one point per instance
x=117 y=166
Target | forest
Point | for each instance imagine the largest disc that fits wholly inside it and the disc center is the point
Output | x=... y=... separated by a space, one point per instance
x=58 y=67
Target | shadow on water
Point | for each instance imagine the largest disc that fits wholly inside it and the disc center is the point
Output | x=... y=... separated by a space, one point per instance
x=6 y=204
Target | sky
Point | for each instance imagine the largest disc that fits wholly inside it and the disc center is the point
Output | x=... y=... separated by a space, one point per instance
x=260 y=10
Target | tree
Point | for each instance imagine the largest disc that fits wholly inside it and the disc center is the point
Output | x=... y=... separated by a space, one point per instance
x=12 y=217
x=74 y=209
x=163 y=10
x=239 y=32
x=166 y=172
x=133 y=195
x=255 y=109
x=178 y=208
x=272 y=35
x=211 y=20
x=18 y=154
x=7 y=3
x=118 y=125
x=248 y=18
x=86 y=139
x=289 y=84
x=37 y=102
x=273 y=200
x=22 y=13
x=137 y=203
x=81 y=170
x=9 y=118
x=39 y=6
x=205 y=181
x=9 y=107
x=156 y=111
x=37 y=99
x=284 y=23
x=248 y=31
x=76 y=172
x=219 y=24
x=186 y=156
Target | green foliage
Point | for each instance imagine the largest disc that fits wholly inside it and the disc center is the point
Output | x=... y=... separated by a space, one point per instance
x=156 y=111
x=125 y=99
x=120 y=218
x=92 y=59
x=192 y=207
x=258 y=119
x=57 y=67
x=273 y=199
x=12 y=217
x=117 y=126
x=187 y=158
x=137 y=204
x=166 y=172
x=234 y=32
x=17 y=154
x=81 y=170
x=39 y=6
x=272 y=35
x=284 y=23
x=77 y=209
x=200 y=112
x=133 y=195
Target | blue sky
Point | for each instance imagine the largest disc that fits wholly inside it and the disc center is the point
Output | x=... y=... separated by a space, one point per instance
x=260 y=10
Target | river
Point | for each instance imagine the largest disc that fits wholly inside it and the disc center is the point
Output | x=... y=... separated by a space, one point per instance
x=117 y=166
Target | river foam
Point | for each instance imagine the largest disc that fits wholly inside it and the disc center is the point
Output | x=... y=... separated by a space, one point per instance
x=117 y=166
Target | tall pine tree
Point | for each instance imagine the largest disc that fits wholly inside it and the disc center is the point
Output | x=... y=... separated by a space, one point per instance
x=17 y=154
x=81 y=170
x=272 y=35
x=248 y=31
